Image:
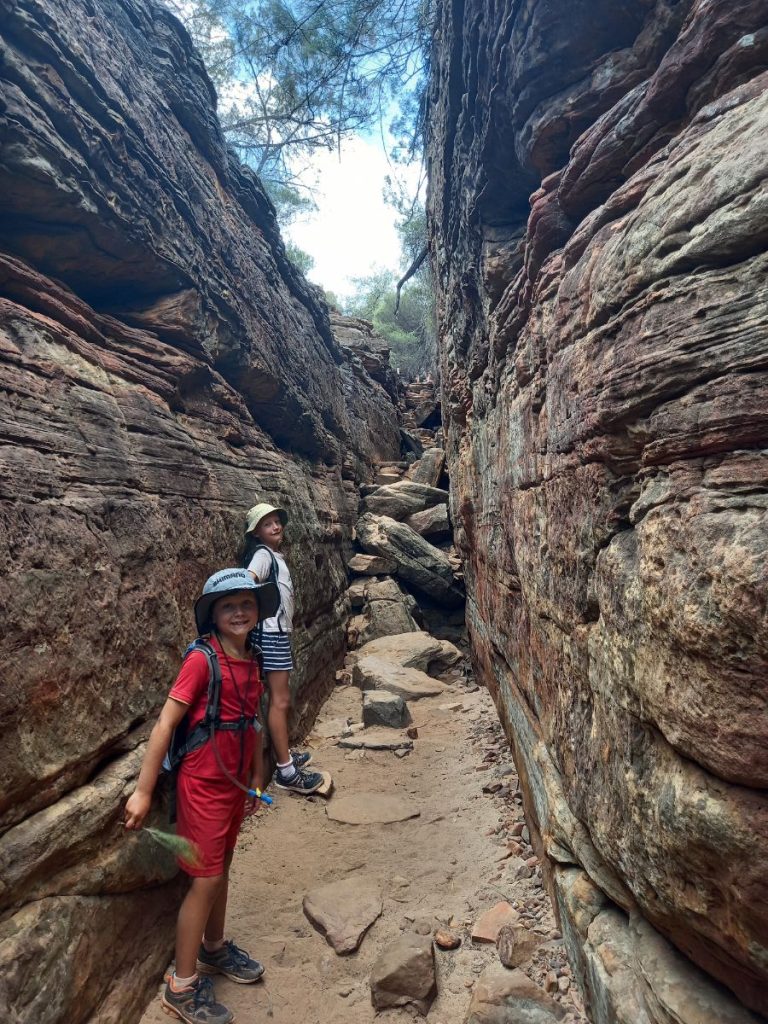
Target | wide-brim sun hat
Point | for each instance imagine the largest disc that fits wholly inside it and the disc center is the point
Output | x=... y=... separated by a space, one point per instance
x=231 y=581
x=254 y=515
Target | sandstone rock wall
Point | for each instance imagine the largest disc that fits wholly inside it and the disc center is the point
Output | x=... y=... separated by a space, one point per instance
x=163 y=367
x=604 y=350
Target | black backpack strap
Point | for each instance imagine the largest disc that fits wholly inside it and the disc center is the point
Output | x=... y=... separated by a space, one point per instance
x=274 y=567
x=274 y=572
x=184 y=741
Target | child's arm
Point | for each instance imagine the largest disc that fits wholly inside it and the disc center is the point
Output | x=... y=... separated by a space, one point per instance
x=137 y=807
x=257 y=775
x=260 y=566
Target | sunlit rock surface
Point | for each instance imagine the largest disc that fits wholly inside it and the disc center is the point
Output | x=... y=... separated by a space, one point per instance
x=599 y=226
x=164 y=367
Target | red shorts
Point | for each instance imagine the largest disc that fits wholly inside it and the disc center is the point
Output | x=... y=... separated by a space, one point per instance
x=209 y=812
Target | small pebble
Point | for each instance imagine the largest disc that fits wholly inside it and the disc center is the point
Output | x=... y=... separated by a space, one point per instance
x=446 y=939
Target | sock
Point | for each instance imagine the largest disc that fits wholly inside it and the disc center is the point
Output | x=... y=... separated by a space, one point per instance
x=287 y=770
x=213 y=947
x=177 y=983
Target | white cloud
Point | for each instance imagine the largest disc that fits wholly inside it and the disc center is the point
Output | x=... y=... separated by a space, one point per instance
x=353 y=231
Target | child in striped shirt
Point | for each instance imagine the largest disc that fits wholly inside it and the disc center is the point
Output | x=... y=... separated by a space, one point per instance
x=265 y=530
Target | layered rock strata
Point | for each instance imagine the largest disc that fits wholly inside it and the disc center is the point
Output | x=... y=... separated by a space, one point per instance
x=604 y=348
x=155 y=344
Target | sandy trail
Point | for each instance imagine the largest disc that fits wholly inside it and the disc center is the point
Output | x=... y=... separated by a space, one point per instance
x=443 y=866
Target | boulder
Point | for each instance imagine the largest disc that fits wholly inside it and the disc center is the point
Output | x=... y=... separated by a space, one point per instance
x=510 y=997
x=374 y=673
x=419 y=563
x=402 y=499
x=387 y=610
x=404 y=974
x=356 y=594
x=432 y=522
x=371 y=565
x=411 y=650
x=382 y=707
x=343 y=911
x=516 y=945
x=428 y=469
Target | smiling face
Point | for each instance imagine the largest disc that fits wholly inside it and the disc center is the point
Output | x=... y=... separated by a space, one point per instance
x=270 y=530
x=235 y=615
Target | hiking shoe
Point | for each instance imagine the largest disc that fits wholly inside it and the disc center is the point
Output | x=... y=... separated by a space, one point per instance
x=196 y=1004
x=300 y=760
x=302 y=782
x=231 y=961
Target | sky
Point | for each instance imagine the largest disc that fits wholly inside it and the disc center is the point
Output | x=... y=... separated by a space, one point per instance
x=352 y=233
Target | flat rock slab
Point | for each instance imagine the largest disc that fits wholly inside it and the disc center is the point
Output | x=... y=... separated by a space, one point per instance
x=327 y=787
x=377 y=739
x=510 y=997
x=486 y=928
x=343 y=912
x=370 y=809
x=374 y=673
x=411 y=650
x=404 y=974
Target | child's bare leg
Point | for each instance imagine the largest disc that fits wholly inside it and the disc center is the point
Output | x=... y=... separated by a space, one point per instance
x=279 y=706
x=214 y=928
x=193 y=916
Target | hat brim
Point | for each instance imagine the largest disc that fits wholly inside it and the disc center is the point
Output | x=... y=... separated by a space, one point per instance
x=266 y=594
x=281 y=512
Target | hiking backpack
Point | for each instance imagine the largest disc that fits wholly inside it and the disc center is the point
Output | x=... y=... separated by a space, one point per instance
x=184 y=740
x=274 y=571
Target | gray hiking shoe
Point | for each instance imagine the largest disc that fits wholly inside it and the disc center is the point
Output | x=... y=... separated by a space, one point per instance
x=196 y=1004
x=302 y=782
x=231 y=961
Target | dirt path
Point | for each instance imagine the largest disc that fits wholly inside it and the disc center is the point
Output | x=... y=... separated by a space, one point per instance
x=442 y=868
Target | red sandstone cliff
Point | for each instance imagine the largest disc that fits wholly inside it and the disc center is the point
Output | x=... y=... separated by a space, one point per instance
x=605 y=367
x=163 y=366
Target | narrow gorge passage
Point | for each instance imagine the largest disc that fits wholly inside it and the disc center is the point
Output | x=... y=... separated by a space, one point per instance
x=421 y=842
x=437 y=871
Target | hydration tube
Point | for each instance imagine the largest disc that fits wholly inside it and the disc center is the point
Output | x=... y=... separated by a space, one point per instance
x=254 y=794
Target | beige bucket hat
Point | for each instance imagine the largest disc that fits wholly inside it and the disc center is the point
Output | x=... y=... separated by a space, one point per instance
x=256 y=514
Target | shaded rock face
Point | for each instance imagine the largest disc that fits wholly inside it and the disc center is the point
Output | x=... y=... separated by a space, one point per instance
x=597 y=211
x=164 y=367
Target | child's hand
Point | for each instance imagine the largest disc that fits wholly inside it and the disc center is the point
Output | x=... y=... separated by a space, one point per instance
x=136 y=809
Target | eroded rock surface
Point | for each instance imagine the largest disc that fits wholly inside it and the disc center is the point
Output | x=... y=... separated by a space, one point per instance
x=604 y=351
x=154 y=341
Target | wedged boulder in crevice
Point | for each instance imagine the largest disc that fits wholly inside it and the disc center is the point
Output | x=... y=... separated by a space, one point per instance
x=402 y=499
x=432 y=522
x=419 y=563
x=428 y=469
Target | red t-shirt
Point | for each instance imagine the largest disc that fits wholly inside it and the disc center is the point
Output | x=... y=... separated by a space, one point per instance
x=241 y=689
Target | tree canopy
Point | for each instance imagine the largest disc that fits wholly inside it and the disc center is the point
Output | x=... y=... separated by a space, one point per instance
x=294 y=75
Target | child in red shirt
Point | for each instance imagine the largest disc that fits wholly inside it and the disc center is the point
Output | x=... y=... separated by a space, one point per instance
x=210 y=788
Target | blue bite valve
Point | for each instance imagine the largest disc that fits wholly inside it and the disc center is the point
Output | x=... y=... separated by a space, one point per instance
x=260 y=796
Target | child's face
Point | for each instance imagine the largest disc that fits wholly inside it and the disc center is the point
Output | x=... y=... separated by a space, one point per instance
x=235 y=615
x=270 y=530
